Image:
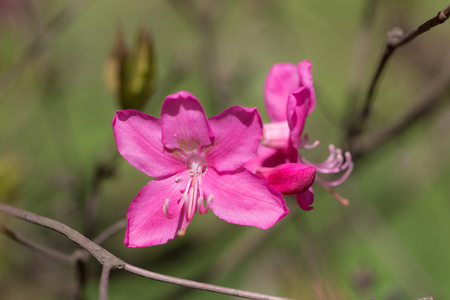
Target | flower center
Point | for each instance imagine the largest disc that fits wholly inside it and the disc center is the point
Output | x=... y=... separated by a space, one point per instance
x=196 y=164
x=192 y=199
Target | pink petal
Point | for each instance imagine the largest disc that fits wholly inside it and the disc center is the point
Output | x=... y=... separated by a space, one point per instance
x=305 y=199
x=184 y=124
x=306 y=80
x=282 y=79
x=138 y=139
x=289 y=179
x=276 y=135
x=243 y=198
x=238 y=131
x=271 y=157
x=147 y=223
x=297 y=111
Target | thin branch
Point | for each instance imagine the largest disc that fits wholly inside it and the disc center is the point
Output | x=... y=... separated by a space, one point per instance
x=78 y=255
x=104 y=279
x=199 y=285
x=108 y=232
x=80 y=273
x=103 y=256
x=106 y=258
x=422 y=107
x=359 y=58
x=396 y=39
x=49 y=252
x=103 y=170
x=236 y=254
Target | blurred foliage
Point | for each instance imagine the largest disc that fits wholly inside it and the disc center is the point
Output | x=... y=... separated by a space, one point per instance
x=55 y=130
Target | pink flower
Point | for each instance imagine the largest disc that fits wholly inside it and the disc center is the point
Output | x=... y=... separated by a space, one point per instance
x=193 y=158
x=290 y=98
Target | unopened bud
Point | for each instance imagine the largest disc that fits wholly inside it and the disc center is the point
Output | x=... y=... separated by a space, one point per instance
x=290 y=178
x=129 y=73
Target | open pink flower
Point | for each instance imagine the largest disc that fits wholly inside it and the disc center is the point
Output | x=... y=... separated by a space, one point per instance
x=290 y=98
x=197 y=163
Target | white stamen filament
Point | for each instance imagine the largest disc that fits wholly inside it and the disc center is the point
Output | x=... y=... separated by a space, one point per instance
x=171 y=215
x=202 y=208
x=192 y=199
x=304 y=143
x=335 y=163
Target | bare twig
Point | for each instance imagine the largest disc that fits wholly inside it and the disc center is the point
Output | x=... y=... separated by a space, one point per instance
x=396 y=39
x=49 y=252
x=103 y=170
x=108 y=259
x=77 y=256
x=111 y=230
x=236 y=254
x=80 y=272
x=422 y=107
x=199 y=285
x=104 y=279
x=103 y=256
x=359 y=60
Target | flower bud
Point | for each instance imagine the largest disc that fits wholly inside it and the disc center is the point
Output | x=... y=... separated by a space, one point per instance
x=129 y=73
x=289 y=178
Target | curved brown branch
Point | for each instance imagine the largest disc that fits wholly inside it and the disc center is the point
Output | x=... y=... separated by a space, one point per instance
x=199 y=285
x=103 y=256
x=110 y=261
x=49 y=252
x=396 y=39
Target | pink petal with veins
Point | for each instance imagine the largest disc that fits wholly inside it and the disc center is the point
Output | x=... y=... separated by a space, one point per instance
x=238 y=132
x=184 y=124
x=243 y=198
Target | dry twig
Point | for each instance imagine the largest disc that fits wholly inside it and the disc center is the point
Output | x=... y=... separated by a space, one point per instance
x=110 y=261
x=396 y=39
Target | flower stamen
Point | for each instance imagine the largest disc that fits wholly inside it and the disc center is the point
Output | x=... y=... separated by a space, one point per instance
x=304 y=143
x=342 y=200
x=335 y=163
x=202 y=208
x=171 y=215
x=192 y=197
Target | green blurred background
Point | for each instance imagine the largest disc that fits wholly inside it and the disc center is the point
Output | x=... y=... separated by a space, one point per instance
x=391 y=242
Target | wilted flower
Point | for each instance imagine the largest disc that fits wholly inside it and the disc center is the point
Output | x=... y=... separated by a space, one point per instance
x=197 y=163
x=290 y=98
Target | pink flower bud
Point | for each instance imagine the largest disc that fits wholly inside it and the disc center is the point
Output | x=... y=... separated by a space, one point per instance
x=290 y=178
